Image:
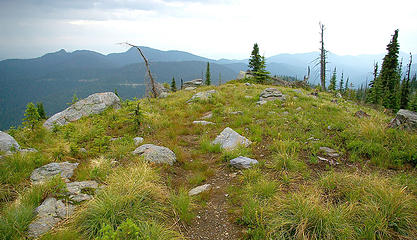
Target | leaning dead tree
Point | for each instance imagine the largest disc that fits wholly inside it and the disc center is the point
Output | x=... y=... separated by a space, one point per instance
x=322 y=60
x=154 y=93
x=306 y=78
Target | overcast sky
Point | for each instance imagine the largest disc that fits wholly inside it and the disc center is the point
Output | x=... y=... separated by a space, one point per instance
x=211 y=28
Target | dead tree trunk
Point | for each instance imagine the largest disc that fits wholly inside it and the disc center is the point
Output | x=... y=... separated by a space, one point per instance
x=322 y=60
x=154 y=93
x=306 y=78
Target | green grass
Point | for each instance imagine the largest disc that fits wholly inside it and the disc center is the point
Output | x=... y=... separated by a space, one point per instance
x=182 y=205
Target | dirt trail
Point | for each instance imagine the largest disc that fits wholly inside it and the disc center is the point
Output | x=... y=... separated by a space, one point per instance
x=213 y=221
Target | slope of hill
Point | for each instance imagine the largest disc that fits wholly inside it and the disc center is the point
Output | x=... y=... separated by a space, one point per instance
x=364 y=187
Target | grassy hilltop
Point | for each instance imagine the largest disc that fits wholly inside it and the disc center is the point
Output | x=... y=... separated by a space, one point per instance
x=290 y=194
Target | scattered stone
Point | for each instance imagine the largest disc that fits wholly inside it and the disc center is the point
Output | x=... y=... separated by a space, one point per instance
x=313 y=139
x=156 y=154
x=236 y=113
x=361 y=114
x=83 y=150
x=243 y=162
x=202 y=96
x=272 y=113
x=193 y=83
x=199 y=189
x=298 y=91
x=229 y=139
x=163 y=95
x=203 y=123
x=49 y=213
x=248 y=84
x=271 y=94
x=8 y=143
x=329 y=152
x=329 y=127
x=93 y=104
x=338 y=95
x=138 y=140
x=299 y=109
x=75 y=188
x=248 y=97
x=294 y=98
x=261 y=102
x=64 y=169
x=28 y=150
x=190 y=88
x=285 y=113
x=207 y=115
x=405 y=119
x=115 y=139
x=80 y=197
x=330 y=161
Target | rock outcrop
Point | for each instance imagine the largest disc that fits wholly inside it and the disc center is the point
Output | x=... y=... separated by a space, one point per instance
x=93 y=104
x=405 y=119
x=243 y=162
x=156 y=154
x=229 y=139
x=271 y=94
x=8 y=143
x=193 y=83
x=64 y=169
x=202 y=96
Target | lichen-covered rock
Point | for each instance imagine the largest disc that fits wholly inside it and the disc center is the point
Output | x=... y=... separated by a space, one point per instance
x=229 y=139
x=8 y=143
x=202 y=96
x=404 y=119
x=243 y=162
x=75 y=188
x=64 y=169
x=271 y=94
x=156 y=154
x=93 y=104
x=49 y=213
x=203 y=123
x=193 y=83
x=199 y=189
x=138 y=140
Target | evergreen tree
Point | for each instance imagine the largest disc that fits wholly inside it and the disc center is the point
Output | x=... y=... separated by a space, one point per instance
x=41 y=110
x=389 y=74
x=412 y=105
x=173 y=85
x=413 y=84
x=116 y=93
x=405 y=87
x=262 y=74
x=255 y=59
x=220 y=78
x=374 y=87
x=208 y=80
x=31 y=116
x=332 y=85
x=347 y=85
x=341 y=85
x=182 y=84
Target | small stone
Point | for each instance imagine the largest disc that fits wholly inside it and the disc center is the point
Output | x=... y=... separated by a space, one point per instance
x=199 y=189
x=243 y=162
x=262 y=102
x=203 y=123
x=207 y=115
x=271 y=94
x=236 y=113
x=361 y=114
x=285 y=113
x=190 y=88
x=202 y=96
x=76 y=187
x=115 y=139
x=83 y=150
x=163 y=95
x=156 y=154
x=329 y=152
x=298 y=91
x=138 y=140
x=80 y=197
x=299 y=109
x=229 y=139
x=248 y=97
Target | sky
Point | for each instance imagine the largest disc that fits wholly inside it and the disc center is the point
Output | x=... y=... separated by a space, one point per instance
x=211 y=28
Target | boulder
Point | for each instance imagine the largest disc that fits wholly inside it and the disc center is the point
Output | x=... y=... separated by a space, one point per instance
x=8 y=143
x=193 y=83
x=163 y=95
x=329 y=152
x=405 y=119
x=271 y=94
x=49 y=213
x=138 y=140
x=361 y=114
x=243 y=74
x=243 y=162
x=64 y=169
x=199 y=189
x=203 y=96
x=203 y=123
x=93 y=104
x=229 y=139
x=156 y=154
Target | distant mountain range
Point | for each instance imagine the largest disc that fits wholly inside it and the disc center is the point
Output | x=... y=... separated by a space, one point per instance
x=55 y=77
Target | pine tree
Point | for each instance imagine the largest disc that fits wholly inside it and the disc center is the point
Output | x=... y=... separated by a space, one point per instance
x=346 y=85
x=374 y=87
x=255 y=59
x=173 y=85
x=41 y=110
x=412 y=105
x=405 y=87
x=74 y=99
x=413 y=84
x=262 y=74
x=332 y=85
x=208 y=80
x=389 y=74
x=341 y=85
x=31 y=116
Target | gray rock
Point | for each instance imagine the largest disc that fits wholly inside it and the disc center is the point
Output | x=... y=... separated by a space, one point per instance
x=28 y=150
x=75 y=188
x=248 y=84
x=236 y=113
x=329 y=152
x=203 y=123
x=299 y=109
x=64 y=169
x=193 y=83
x=156 y=154
x=115 y=139
x=338 y=95
x=243 y=162
x=271 y=94
x=203 y=96
x=298 y=91
x=243 y=74
x=163 y=95
x=80 y=197
x=248 y=97
x=190 y=88
x=229 y=139
x=7 y=143
x=361 y=114
x=285 y=113
x=199 y=189
x=138 y=140
x=207 y=115
x=49 y=213
x=83 y=150
x=262 y=102
x=405 y=119
x=93 y=104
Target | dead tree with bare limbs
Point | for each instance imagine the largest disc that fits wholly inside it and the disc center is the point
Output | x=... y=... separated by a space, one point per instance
x=154 y=93
x=323 y=55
